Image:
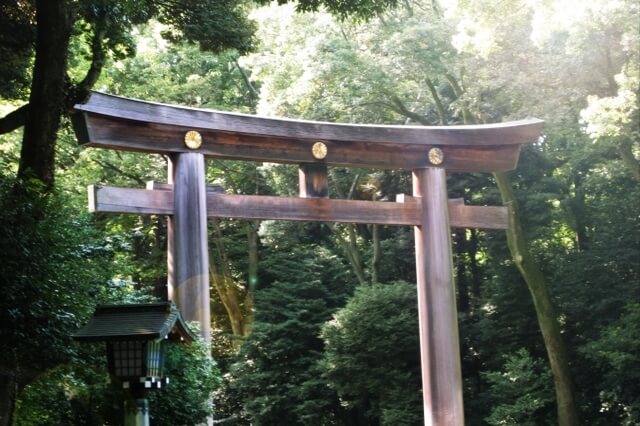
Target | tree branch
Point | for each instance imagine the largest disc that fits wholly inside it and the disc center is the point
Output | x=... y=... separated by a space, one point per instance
x=15 y=119
x=442 y=115
x=545 y=310
x=77 y=93
x=246 y=80
x=626 y=153
x=350 y=251
x=400 y=108
x=228 y=175
x=118 y=170
x=459 y=91
x=232 y=295
x=354 y=184
x=98 y=56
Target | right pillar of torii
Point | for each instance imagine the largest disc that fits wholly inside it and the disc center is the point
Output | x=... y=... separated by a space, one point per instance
x=188 y=136
x=438 y=318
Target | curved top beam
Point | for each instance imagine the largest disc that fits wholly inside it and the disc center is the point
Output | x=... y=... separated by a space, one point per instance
x=121 y=123
x=515 y=132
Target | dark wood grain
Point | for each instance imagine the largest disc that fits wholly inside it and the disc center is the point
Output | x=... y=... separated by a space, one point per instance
x=191 y=252
x=171 y=265
x=313 y=181
x=311 y=209
x=160 y=186
x=439 y=341
x=119 y=123
x=107 y=199
x=463 y=216
x=107 y=132
x=517 y=132
x=404 y=212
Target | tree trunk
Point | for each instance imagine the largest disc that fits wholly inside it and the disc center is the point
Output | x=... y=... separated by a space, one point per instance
x=547 y=321
x=626 y=152
x=46 y=100
x=476 y=278
x=229 y=294
x=350 y=248
x=252 y=240
x=462 y=284
x=545 y=312
x=8 y=390
x=238 y=302
x=376 y=255
x=577 y=209
x=13 y=379
x=249 y=313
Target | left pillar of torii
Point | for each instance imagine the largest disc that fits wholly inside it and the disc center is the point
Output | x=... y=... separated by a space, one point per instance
x=188 y=254
x=184 y=202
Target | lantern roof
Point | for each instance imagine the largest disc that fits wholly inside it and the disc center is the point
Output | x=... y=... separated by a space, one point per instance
x=146 y=321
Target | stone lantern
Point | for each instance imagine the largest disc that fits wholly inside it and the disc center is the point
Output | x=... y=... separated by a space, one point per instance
x=135 y=337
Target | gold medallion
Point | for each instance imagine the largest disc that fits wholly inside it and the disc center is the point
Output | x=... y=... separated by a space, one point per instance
x=193 y=139
x=319 y=150
x=436 y=156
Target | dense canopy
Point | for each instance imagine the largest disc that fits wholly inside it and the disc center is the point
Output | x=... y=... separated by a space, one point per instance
x=312 y=322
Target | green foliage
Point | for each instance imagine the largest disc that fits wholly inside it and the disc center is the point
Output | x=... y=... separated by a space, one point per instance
x=80 y=393
x=520 y=392
x=579 y=203
x=16 y=44
x=181 y=74
x=372 y=354
x=276 y=378
x=615 y=354
x=215 y=25
x=355 y=9
x=486 y=60
x=69 y=394
x=9 y=146
x=53 y=272
x=193 y=377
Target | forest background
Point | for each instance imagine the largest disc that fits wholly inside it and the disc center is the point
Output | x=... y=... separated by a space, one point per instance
x=317 y=323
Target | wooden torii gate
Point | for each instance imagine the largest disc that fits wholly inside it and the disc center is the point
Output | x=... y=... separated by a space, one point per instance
x=188 y=135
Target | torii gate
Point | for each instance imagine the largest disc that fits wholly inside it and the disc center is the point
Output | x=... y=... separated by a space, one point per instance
x=188 y=135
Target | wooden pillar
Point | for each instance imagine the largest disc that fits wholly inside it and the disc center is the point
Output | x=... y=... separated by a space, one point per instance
x=439 y=341
x=171 y=269
x=313 y=181
x=190 y=250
